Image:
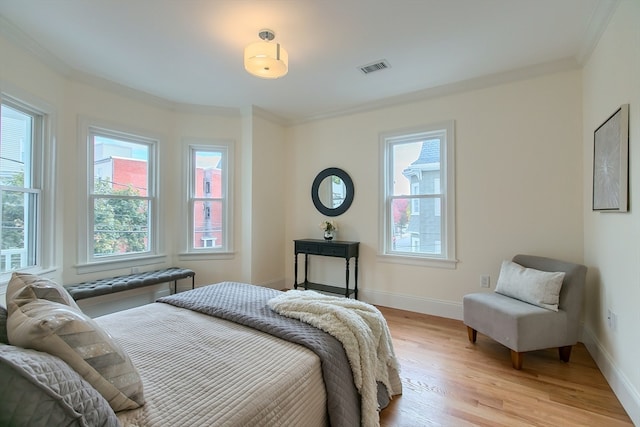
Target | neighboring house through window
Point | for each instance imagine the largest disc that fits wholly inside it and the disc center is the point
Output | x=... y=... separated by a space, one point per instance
x=418 y=194
x=209 y=190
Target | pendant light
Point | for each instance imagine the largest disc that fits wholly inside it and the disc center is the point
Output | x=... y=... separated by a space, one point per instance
x=265 y=59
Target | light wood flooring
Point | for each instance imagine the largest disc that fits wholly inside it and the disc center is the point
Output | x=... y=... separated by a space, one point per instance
x=447 y=381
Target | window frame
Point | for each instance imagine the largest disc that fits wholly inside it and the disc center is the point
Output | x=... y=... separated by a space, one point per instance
x=387 y=141
x=225 y=249
x=87 y=261
x=42 y=177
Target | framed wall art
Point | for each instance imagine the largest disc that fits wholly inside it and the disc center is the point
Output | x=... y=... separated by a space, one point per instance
x=611 y=163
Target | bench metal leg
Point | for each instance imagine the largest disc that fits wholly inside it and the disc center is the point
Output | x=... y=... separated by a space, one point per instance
x=175 y=284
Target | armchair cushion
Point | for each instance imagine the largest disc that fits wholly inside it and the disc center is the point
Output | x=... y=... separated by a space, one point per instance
x=541 y=288
x=516 y=324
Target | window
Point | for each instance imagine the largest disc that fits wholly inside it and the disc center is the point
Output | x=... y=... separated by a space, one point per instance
x=209 y=198
x=21 y=147
x=418 y=194
x=122 y=218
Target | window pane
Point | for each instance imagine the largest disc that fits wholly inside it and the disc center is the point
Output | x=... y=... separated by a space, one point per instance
x=416 y=166
x=18 y=230
x=120 y=166
x=15 y=149
x=207 y=220
x=416 y=233
x=208 y=174
x=416 y=221
x=121 y=226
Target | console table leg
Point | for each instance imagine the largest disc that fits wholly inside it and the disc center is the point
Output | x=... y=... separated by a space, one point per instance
x=306 y=270
x=355 y=289
x=295 y=271
x=346 y=290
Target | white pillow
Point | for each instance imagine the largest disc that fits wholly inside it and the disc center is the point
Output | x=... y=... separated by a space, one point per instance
x=541 y=288
x=24 y=288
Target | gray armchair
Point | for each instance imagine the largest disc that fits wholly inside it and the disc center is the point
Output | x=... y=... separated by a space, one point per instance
x=523 y=327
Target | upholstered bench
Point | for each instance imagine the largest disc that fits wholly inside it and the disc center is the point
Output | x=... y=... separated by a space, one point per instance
x=130 y=281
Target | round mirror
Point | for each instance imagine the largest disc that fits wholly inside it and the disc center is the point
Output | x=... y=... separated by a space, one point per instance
x=332 y=192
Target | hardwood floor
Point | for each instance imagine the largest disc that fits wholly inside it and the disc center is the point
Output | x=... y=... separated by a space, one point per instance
x=447 y=381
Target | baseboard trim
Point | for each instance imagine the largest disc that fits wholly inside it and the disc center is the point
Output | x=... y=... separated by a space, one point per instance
x=625 y=391
x=434 y=307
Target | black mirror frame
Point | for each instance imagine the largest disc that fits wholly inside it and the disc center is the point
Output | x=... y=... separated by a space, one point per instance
x=348 y=183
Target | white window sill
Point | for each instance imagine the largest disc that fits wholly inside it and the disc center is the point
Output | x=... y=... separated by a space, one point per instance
x=420 y=261
x=204 y=255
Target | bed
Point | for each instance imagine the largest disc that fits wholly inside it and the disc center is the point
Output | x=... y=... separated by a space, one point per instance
x=216 y=356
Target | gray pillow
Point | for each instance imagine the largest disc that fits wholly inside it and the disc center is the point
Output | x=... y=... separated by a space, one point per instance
x=38 y=389
x=4 y=339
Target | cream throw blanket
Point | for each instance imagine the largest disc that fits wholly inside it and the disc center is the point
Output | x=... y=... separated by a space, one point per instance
x=364 y=334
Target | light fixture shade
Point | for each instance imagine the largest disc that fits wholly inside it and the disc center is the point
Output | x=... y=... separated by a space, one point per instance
x=266 y=60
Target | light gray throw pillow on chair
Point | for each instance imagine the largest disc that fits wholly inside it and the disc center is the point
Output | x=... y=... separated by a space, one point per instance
x=541 y=288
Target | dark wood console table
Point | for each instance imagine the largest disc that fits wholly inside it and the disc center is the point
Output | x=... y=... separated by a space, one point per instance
x=331 y=248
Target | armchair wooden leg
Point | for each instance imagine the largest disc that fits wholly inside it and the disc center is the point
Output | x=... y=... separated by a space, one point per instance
x=565 y=353
x=473 y=334
x=516 y=359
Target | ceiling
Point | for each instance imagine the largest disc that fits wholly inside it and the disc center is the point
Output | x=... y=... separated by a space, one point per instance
x=190 y=52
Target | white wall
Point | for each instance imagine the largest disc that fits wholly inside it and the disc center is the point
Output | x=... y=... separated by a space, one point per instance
x=263 y=197
x=518 y=178
x=612 y=240
x=268 y=201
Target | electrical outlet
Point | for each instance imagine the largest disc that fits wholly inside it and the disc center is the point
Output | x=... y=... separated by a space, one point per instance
x=612 y=320
x=485 y=281
x=135 y=270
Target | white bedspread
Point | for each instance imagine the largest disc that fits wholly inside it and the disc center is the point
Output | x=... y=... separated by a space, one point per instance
x=198 y=370
x=363 y=332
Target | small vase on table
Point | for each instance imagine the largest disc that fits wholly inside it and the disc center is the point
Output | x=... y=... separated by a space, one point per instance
x=329 y=228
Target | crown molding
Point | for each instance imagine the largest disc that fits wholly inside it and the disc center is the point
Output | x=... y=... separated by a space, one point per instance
x=21 y=39
x=598 y=23
x=482 y=82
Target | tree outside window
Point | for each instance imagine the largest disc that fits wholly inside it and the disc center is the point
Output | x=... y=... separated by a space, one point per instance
x=121 y=194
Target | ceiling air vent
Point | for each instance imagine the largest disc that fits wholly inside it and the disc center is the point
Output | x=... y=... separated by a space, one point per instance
x=376 y=66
